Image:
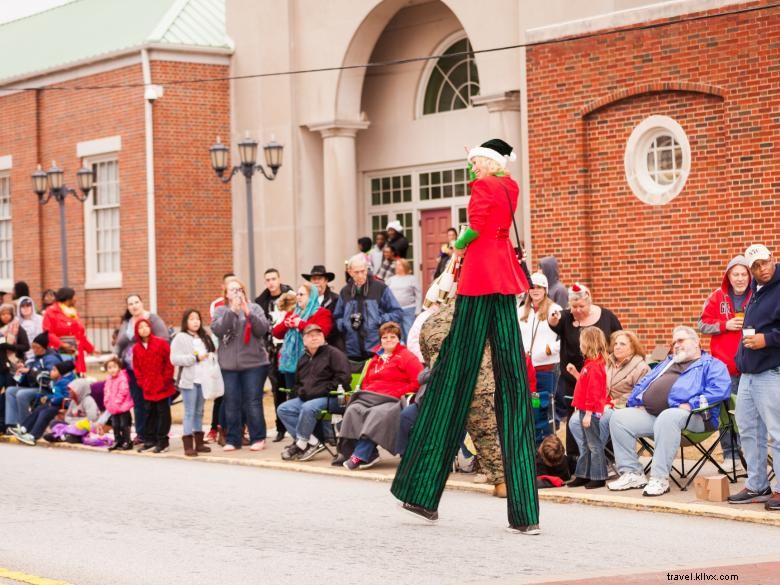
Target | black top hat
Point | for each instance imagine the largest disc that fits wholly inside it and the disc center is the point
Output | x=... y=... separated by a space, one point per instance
x=319 y=270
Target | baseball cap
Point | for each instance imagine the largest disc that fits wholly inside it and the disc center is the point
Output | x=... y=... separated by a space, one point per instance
x=539 y=279
x=311 y=327
x=757 y=252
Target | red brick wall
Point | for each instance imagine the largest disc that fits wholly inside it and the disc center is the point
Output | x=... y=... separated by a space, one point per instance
x=193 y=209
x=655 y=265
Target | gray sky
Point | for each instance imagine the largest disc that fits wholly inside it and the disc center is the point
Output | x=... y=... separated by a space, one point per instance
x=13 y=9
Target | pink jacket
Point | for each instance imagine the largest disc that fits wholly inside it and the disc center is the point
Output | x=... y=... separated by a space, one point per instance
x=116 y=394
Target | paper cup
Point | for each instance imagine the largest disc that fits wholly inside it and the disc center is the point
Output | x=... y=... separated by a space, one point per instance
x=748 y=332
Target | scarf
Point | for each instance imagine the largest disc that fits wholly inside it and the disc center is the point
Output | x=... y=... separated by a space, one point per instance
x=292 y=346
x=69 y=312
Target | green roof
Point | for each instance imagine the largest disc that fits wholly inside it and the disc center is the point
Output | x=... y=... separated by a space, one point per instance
x=86 y=30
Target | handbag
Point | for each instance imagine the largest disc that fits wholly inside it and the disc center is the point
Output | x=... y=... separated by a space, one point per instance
x=519 y=252
x=212 y=385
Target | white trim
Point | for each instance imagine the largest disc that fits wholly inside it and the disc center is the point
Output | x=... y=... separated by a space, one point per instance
x=635 y=160
x=621 y=18
x=8 y=284
x=98 y=146
x=151 y=225
x=425 y=74
x=6 y=162
x=92 y=280
x=110 y=62
x=182 y=57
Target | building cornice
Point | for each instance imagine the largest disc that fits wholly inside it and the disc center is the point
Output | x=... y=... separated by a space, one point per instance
x=507 y=101
x=348 y=128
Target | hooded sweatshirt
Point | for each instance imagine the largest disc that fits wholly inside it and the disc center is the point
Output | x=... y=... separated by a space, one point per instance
x=84 y=406
x=33 y=326
x=152 y=366
x=116 y=393
x=763 y=315
x=719 y=308
x=556 y=290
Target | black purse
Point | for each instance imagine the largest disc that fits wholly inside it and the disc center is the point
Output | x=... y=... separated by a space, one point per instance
x=519 y=252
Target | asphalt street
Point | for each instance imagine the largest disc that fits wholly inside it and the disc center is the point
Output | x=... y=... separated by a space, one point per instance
x=96 y=518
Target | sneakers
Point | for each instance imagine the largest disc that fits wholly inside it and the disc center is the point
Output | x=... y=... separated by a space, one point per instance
x=310 y=451
x=161 y=448
x=773 y=503
x=628 y=481
x=595 y=484
x=257 y=446
x=291 y=452
x=353 y=463
x=577 y=482
x=23 y=436
x=424 y=513
x=338 y=460
x=747 y=496
x=228 y=447
x=146 y=447
x=656 y=487
x=211 y=437
x=527 y=529
x=279 y=436
x=371 y=462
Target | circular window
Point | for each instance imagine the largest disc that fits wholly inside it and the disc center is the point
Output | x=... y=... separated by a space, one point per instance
x=657 y=160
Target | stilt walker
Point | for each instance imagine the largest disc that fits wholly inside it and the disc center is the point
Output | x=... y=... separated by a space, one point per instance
x=485 y=310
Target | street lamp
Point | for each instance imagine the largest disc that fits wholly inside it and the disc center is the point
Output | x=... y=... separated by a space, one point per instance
x=50 y=184
x=247 y=152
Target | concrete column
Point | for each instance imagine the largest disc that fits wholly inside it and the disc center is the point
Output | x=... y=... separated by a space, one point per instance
x=504 y=123
x=340 y=191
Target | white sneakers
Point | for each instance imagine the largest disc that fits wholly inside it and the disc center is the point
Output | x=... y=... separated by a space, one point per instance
x=628 y=481
x=656 y=487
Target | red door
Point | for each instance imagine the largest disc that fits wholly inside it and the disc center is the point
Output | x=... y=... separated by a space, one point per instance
x=433 y=232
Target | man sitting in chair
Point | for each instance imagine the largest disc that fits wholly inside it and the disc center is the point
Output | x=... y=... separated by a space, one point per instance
x=321 y=369
x=660 y=405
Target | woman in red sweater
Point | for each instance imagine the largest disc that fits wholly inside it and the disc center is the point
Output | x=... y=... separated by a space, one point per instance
x=154 y=373
x=66 y=331
x=373 y=414
x=591 y=397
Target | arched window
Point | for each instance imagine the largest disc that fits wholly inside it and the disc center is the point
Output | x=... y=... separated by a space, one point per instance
x=453 y=80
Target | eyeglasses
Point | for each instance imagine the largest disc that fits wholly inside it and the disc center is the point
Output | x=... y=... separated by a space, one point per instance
x=300 y=294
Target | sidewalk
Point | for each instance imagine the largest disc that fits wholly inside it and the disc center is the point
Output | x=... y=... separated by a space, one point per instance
x=675 y=502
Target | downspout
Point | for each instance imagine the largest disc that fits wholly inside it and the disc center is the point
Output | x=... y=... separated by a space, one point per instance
x=151 y=228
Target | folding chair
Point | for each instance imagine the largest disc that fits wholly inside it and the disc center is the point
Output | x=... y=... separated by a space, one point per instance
x=696 y=440
x=337 y=404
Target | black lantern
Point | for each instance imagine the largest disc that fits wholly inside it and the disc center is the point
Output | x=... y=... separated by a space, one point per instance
x=56 y=177
x=219 y=157
x=40 y=181
x=273 y=155
x=247 y=151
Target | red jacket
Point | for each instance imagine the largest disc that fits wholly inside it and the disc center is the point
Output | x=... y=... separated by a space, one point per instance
x=321 y=317
x=490 y=265
x=529 y=366
x=717 y=310
x=591 y=392
x=394 y=377
x=152 y=366
x=58 y=324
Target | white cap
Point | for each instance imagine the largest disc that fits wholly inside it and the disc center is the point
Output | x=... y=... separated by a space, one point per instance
x=395 y=225
x=539 y=279
x=757 y=252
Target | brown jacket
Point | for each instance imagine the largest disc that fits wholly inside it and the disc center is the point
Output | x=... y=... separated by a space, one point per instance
x=622 y=378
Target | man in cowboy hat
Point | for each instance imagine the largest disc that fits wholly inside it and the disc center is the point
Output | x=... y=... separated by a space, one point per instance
x=396 y=239
x=320 y=277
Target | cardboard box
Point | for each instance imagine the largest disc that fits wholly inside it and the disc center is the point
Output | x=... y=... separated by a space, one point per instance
x=713 y=488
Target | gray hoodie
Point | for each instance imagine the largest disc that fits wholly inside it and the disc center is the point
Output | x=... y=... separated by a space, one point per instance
x=556 y=290
x=86 y=406
x=32 y=326
x=229 y=327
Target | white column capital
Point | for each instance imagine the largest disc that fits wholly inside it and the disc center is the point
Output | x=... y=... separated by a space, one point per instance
x=507 y=101
x=345 y=128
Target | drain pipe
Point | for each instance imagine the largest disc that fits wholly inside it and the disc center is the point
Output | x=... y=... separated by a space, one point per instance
x=151 y=93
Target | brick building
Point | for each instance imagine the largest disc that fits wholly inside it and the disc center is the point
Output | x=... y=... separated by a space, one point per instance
x=653 y=155
x=158 y=224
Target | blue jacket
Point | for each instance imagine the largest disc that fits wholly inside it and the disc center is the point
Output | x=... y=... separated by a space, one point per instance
x=708 y=376
x=378 y=306
x=44 y=363
x=763 y=315
x=59 y=389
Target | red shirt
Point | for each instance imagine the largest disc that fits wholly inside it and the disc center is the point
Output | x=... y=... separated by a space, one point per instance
x=591 y=392
x=396 y=376
x=490 y=265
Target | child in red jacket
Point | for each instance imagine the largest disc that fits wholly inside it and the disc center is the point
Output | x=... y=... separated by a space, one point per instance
x=154 y=373
x=591 y=397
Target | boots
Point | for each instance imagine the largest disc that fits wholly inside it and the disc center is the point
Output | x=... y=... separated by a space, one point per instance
x=220 y=436
x=200 y=446
x=189 y=451
x=499 y=490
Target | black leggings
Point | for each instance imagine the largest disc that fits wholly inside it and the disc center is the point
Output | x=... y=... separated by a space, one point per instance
x=121 y=423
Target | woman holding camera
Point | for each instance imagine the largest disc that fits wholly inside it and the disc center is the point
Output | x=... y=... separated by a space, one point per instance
x=485 y=311
x=241 y=327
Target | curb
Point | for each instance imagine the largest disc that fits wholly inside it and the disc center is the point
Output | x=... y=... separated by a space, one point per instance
x=739 y=514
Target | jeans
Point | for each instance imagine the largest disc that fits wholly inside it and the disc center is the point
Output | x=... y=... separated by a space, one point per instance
x=731 y=449
x=244 y=395
x=408 y=417
x=758 y=414
x=365 y=450
x=591 y=464
x=158 y=421
x=193 y=409
x=407 y=320
x=299 y=417
x=289 y=379
x=37 y=421
x=545 y=387
x=17 y=403
x=629 y=423
x=575 y=424
x=139 y=409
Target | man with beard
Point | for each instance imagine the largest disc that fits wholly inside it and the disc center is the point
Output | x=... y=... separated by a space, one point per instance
x=660 y=406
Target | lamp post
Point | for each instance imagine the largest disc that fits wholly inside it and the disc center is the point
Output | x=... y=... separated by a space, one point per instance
x=50 y=184
x=247 y=151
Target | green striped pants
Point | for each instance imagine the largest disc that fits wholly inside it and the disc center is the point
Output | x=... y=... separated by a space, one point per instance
x=439 y=427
